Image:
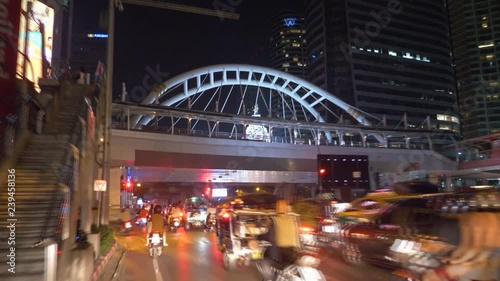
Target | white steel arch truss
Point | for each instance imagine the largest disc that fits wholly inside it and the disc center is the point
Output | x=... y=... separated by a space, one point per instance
x=190 y=86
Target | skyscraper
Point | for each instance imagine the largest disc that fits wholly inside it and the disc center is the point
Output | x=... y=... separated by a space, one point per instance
x=386 y=57
x=288 y=54
x=475 y=29
x=288 y=43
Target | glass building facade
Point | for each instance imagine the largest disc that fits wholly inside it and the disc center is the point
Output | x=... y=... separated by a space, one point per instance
x=388 y=58
x=475 y=29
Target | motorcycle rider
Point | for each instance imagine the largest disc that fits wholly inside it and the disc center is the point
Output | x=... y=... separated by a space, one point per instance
x=174 y=213
x=157 y=223
x=143 y=213
x=125 y=217
x=283 y=234
x=211 y=212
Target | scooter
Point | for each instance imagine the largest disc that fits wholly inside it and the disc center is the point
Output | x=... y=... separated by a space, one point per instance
x=304 y=268
x=142 y=221
x=174 y=225
x=127 y=227
x=155 y=244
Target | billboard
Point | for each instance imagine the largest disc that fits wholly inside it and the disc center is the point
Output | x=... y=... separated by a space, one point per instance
x=40 y=35
x=219 y=192
x=9 y=29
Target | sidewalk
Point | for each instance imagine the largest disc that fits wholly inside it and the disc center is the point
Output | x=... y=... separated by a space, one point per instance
x=111 y=266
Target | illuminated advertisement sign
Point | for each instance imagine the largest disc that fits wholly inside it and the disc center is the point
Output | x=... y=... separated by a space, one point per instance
x=290 y=21
x=9 y=28
x=97 y=35
x=39 y=46
x=219 y=192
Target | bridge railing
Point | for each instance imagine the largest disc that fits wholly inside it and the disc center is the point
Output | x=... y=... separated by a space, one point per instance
x=273 y=139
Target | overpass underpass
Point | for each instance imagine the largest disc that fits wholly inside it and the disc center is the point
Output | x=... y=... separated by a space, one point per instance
x=197 y=161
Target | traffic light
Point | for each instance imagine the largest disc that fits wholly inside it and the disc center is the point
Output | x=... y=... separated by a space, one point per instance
x=322 y=171
x=127 y=185
x=208 y=192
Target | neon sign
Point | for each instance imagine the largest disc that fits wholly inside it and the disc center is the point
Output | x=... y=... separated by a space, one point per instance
x=97 y=35
x=290 y=21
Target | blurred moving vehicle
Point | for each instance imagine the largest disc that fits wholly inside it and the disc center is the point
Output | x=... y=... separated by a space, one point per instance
x=195 y=209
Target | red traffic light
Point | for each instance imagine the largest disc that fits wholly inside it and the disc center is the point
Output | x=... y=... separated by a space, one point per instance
x=322 y=171
x=207 y=191
x=128 y=184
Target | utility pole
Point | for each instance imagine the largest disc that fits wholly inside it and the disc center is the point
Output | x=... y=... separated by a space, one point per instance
x=104 y=205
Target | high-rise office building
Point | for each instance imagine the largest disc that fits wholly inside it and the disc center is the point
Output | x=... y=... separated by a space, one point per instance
x=387 y=58
x=288 y=43
x=475 y=29
x=87 y=50
x=288 y=54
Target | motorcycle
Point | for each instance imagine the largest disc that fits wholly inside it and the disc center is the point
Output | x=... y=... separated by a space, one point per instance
x=142 y=221
x=175 y=223
x=304 y=268
x=127 y=227
x=155 y=244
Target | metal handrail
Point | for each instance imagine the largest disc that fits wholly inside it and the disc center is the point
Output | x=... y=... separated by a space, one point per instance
x=65 y=177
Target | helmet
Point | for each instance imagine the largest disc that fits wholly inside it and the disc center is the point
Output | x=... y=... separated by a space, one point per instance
x=158 y=209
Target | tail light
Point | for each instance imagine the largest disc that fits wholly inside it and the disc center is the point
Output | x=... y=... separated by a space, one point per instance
x=327 y=221
x=155 y=238
x=225 y=215
x=305 y=229
x=128 y=225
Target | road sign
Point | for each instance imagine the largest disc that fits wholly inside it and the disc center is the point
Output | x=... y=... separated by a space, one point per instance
x=99 y=185
x=356 y=174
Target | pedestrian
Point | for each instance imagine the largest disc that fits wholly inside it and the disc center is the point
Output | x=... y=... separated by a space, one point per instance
x=81 y=76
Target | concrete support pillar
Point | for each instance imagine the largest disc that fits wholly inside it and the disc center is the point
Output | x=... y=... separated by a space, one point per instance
x=341 y=139
x=114 y=187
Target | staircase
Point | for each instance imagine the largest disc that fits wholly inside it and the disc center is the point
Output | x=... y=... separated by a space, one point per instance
x=42 y=173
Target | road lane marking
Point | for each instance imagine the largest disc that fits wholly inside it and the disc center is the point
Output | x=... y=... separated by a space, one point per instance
x=157 y=270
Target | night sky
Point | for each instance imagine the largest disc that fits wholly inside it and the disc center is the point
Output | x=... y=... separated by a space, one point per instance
x=178 y=42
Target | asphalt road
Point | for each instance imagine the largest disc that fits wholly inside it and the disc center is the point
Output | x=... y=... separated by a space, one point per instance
x=193 y=256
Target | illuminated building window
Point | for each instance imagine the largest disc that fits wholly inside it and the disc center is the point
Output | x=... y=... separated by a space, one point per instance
x=486 y=45
x=426 y=59
x=490 y=57
x=484 y=25
x=393 y=53
x=286 y=55
x=295 y=59
x=296 y=44
x=444 y=127
x=407 y=56
x=448 y=118
x=286 y=64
